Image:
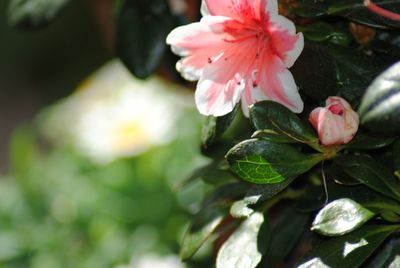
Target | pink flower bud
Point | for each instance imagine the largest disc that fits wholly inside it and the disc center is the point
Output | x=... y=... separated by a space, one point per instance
x=336 y=123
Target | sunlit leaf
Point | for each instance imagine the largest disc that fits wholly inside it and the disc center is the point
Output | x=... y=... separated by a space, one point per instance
x=380 y=107
x=348 y=251
x=243 y=248
x=340 y=217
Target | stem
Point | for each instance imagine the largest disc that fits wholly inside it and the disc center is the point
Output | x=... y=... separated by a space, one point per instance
x=381 y=11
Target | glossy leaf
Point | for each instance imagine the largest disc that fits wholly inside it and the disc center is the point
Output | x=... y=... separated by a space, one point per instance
x=284 y=236
x=321 y=31
x=372 y=174
x=255 y=195
x=380 y=107
x=350 y=250
x=315 y=71
x=242 y=249
x=340 y=217
x=388 y=256
x=203 y=226
x=354 y=71
x=368 y=142
x=263 y=162
x=396 y=158
x=141 y=31
x=214 y=127
x=272 y=117
x=33 y=14
x=353 y=10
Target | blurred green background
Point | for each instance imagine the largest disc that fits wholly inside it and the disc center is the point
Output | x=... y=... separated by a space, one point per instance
x=58 y=208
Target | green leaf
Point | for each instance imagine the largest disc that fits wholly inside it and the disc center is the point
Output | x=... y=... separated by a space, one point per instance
x=322 y=31
x=396 y=158
x=203 y=226
x=33 y=14
x=262 y=161
x=340 y=217
x=315 y=72
x=141 y=31
x=368 y=142
x=284 y=236
x=214 y=127
x=353 y=10
x=242 y=249
x=257 y=194
x=388 y=256
x=380 y=107
x=354 y=71
x=274 y=118
x=348 y=251
x=372 y=174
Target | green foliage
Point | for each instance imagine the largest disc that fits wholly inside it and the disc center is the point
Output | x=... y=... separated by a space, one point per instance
x=262 y=161
x=265 y=176
x=246 y=245
x=372 y=174
x=348 y=251
x=277 y=123
x=142 y=27
x=340 y=217
x=33 y=14
x=214 y=127
x=353 y=10
x=380 y=107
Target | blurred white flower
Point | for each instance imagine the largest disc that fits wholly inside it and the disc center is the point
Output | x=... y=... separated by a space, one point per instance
x=152 y=260
x=113 y=115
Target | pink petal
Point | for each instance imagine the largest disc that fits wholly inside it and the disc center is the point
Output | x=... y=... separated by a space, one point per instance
x=199 y=42
x=277 y=83
x=330 y=128
x=314 y=116
x=221 y=84
x=285 y=41
x=239 y=9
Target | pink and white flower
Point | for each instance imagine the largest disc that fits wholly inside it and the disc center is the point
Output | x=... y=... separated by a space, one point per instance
x=336 y=123
x=240 y=50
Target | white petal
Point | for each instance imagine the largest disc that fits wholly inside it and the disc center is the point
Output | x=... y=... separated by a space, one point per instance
x=293 y=54
x=204 y=9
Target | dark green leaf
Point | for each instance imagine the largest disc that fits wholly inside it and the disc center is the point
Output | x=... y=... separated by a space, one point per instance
x=203 y=226
x=367 y=142
x=274 y=118
x=242 y=249
x=257 y=194
x=388 y=256
x=372 y=174
x=354 y=71
x=322 y=31
x=315 y=71
x=32 y=14
x=396 y=158
x=380 y=107
x=348 y=251
x=262 y=161
x=141 y=31
x=214 y=127
x=353 y=10
x=284 y=236
x=340 y=217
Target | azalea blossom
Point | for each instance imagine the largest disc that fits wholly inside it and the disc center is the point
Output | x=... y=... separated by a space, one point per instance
x=336 y=123
x=240 y=50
